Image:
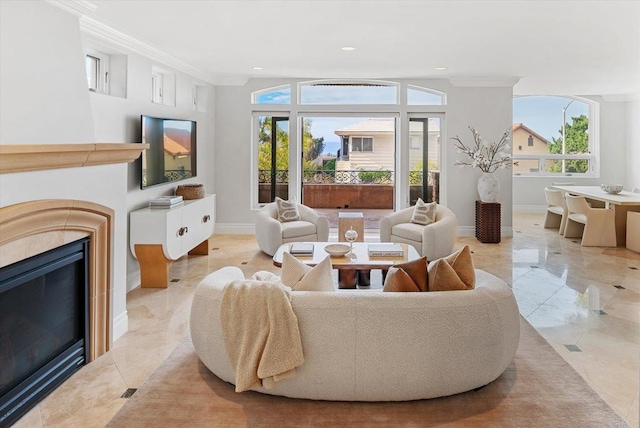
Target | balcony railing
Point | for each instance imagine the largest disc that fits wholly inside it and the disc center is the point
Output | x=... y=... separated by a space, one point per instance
x=346 y=177
x=170 y=175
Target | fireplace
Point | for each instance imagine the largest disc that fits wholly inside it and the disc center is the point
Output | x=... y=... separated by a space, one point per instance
x=44 y=331
x=32 y=229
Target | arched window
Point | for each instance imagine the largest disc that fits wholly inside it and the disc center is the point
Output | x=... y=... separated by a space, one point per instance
x=278 y=95
x=554 y=136
x=339 y=92
x=417 y=96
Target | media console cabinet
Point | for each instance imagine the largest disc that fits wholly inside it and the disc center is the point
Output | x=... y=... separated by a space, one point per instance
x=159 y=236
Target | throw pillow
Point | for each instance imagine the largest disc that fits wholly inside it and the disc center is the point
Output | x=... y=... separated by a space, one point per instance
x=454 y=272
x=414 y=271
x=424 y=213
x=399 y=280
x=301 y=277
x=287 y=210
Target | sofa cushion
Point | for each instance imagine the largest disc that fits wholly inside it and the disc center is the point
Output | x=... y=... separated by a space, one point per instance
x=399 y=280
x=287 y=210
x=292 y=229
x=454 y=272
x=424 y=213
x=301 y=277
x=417 y=272
x=412 y=231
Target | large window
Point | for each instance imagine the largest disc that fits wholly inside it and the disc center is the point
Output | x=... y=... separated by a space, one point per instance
x=553 y=136
x=316 y=140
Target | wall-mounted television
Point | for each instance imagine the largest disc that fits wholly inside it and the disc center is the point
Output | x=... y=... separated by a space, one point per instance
x=171 y=155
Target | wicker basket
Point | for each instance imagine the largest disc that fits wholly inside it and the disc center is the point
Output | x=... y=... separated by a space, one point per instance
x=190 y=191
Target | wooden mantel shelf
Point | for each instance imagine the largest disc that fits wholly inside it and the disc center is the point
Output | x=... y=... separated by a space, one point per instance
x=35 y=157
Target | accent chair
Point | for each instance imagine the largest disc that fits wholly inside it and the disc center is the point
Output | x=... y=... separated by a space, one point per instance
x=435 y=240
x=271 y=233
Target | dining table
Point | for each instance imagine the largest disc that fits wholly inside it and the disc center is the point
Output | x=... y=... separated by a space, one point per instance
x=621 y=203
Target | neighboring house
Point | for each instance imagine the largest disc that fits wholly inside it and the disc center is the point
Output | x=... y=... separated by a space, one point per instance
x=370 y=145
x=527 y=142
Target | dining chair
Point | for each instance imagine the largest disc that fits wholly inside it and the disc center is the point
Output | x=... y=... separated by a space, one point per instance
x=555 y=216
x=595 y=225
x=563 y=183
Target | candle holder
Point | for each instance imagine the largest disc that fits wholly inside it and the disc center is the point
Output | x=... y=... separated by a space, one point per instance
x=351 y=236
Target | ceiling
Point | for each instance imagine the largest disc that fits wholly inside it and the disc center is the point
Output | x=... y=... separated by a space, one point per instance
x=554 y=47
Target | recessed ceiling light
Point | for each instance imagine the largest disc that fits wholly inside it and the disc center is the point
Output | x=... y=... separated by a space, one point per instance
x=441 y=68
x=257 y=68
x=348 y=48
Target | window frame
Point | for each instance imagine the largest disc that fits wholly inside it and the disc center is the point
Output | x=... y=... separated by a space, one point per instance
x=102 y=71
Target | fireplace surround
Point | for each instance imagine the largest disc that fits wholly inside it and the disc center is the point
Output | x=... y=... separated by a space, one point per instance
x=34 y=227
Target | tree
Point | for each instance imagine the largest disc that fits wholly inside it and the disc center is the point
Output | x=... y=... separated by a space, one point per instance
x=311 y=147
x=264 y=150
x=577 y=142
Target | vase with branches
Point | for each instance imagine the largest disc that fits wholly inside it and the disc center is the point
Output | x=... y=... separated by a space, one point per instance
x=488 y=157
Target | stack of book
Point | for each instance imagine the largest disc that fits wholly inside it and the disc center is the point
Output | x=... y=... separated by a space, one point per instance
x=165 y=202
x=301 y=249
x=385 y=250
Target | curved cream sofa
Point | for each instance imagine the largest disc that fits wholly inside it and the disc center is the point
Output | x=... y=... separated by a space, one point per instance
x=434 y=240
x=373 y=346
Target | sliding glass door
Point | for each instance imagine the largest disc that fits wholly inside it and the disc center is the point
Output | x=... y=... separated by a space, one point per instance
x=424 y=159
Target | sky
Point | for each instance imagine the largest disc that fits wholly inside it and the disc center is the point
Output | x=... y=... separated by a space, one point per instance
x=542 y=114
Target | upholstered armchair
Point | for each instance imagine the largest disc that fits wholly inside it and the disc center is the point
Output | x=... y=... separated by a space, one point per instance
x=271 y=233
x=434 y=240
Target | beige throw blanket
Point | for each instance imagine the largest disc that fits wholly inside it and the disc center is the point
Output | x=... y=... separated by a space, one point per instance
x=260 y=332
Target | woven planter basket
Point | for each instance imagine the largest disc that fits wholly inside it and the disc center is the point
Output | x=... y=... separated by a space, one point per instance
x=190 y=191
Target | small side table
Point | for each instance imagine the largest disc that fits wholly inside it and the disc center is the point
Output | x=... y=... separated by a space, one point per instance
x=488 y=222
x=348 y=220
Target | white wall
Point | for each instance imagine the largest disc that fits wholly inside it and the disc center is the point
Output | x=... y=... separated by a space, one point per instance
x=633 y=145
x=44 y=99
x=489 y=109
x=528 y=192
x=118 y=120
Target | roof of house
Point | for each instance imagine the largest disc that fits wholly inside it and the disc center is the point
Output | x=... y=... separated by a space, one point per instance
x=525 y=128
x=382 y=125
x=177 y=141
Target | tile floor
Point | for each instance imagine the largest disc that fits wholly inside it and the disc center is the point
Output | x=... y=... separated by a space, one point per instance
x=584 y=301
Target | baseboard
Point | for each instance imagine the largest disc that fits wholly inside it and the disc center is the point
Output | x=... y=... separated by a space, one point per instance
x=235 y=228
x=529 y=209
x=466 y=231
x=120 y=326
x=470 y=231
x=133 y=280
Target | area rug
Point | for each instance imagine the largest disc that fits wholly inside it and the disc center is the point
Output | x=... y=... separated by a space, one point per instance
x=538 y=389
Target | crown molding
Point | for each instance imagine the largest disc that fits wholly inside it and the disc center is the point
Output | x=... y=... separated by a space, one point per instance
x=104 y=32
x=486 y=82
x=76 y=7
x=621 y=97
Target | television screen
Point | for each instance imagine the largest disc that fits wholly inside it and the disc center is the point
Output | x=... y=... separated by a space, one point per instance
x=171 y=155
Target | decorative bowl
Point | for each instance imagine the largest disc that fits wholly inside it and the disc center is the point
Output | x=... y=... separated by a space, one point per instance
x=612 y=188
x=337 y=250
